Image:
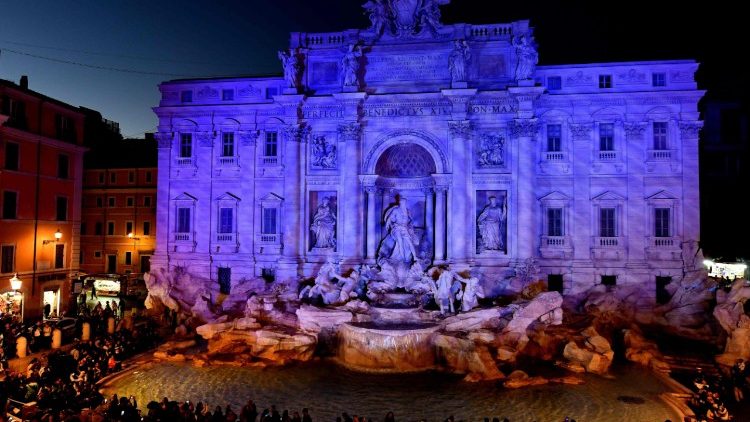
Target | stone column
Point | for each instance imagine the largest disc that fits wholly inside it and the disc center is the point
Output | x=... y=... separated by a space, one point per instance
x=294 y=139
x=429 y=215
x=440 y=224
x=163 y=210
x=461 y=195
x=524 y=131
x=350 y=203
x=372 y=217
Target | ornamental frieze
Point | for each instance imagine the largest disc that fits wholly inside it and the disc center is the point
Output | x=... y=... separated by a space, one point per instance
x=523 y=128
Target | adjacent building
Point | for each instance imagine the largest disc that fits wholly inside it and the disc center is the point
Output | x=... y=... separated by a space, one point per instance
x=587 y=172
x=119 y=207
x=41 y=169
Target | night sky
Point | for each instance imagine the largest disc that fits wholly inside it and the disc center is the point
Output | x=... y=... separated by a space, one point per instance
x=178 y=39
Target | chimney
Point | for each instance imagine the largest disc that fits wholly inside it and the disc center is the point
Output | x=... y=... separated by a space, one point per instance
x=24 y=82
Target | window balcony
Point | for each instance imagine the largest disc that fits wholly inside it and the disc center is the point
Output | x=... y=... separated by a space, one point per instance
x=663 y=242
x=225 y=237
x=660 y=155
x=271 y=239
x=183 y=237
x=269 y=161
x=607 y=155
x=663 y=248
x=184 y=161
x=606 y=242
x=555 y=156
x=227 y=161
x=556 y=247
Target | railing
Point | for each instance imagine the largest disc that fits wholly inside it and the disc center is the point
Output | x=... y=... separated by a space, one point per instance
x=555 y=156
x=327 y=38
x=225 y=237
x=607 y=242
x=553 y=241
x=270 y=161
x=660 y=155
x=227 y=161
x=268 y=238
x=663 y=242
x=182 y=237
x=483 y=31
x=185 y=161
x=607 y=155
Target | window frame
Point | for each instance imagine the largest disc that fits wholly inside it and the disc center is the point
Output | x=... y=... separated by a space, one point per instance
x=605 y=81
x=17 y=165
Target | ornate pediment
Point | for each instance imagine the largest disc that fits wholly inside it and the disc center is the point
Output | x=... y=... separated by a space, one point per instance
x=404 y=18
x=608 y=196
x=662 y=194
x=184 y=196
x=228 y=197
x=554 y=196
x=271 y=197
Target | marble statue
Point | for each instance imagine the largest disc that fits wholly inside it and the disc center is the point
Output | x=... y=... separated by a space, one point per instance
x=470 y=294
x=429 y=15
x=458 y=60
x=323 y=153
x=159 y=288
x=323 y=225
x=378 y=13
x=348 y=286
x=492 y=151
x=350 y=66
x=527 y=57
x=323 y=287
x=291 y=65
x=491 y=223
x=401 y=233
x=445 y=291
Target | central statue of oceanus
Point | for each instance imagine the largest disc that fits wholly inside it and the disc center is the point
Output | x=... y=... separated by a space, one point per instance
x=400 y=244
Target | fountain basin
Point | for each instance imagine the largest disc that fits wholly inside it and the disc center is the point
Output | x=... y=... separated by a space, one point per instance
x=394 y=347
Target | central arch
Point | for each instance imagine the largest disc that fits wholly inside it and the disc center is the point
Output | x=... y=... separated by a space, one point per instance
x=406 y=136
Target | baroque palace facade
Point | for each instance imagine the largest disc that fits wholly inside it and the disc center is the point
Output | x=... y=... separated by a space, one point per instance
x=591 y=170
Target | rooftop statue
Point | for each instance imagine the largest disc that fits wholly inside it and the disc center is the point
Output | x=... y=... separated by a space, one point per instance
x=404 y=17
x=527 y=57
x=291 y=65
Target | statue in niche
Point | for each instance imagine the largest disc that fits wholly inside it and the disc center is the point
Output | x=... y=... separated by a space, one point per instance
x=291 y=65
x=323 y=153
x=527 y=57
x=401 y=236
x=323 y=225
x=458 y=60
x=492 y=151
x=491 y=223
x=350 y=66
x=470 y=294
x=378 y=12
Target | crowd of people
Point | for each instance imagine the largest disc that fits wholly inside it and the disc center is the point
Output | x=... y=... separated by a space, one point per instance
x=63 y=383
x=711 y=392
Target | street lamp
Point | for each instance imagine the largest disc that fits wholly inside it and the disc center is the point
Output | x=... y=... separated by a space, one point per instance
x=15 y=285
x=58 y=236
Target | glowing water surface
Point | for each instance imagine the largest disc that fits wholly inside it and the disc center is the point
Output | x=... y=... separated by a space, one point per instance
x=328 y=390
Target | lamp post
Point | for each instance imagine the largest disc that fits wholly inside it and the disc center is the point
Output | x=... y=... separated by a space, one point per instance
x=58 y=236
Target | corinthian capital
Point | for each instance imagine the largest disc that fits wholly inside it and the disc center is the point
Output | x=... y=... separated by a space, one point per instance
x=634 y=130
x=690 y=130
x=524 y=128
x=248 y=137
x=350 y=131
x=460 y=129
x=296 y=133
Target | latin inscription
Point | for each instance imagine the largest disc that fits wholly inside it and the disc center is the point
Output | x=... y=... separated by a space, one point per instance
x=405 y=111
x=407 y=67
x=323 y=113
